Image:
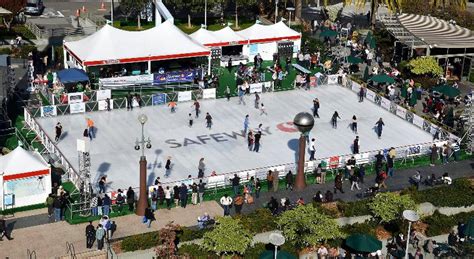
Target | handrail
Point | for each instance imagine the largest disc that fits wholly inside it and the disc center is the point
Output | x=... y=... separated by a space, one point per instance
x=70 y=250
x=30 y=254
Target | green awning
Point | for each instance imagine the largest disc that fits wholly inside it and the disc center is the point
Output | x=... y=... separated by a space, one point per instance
x=354 y=60
x=328 y=33
x=383 y=78
x=469 y=231
x=363 y=243
x=447 y=90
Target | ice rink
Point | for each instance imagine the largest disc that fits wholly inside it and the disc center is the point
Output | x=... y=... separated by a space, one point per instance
x=224 y=147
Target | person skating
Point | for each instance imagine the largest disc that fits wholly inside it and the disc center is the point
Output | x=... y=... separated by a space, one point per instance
x=334 y=118
x=90 y=235
x=312 y=149
x=168 y=166
x=263 y=109
x=354 y=124
x=59 y=131
x=201 y=168
x=257 y=142
x=190 y=120
x=361 y=94
x=356 y=145
x=208 y=121
x=90 y=128
x=227 y=92
x=246 y=123
x=257 y=100
x=316 y=107
x=250 y=140
x=197 y=107
x=379 y=126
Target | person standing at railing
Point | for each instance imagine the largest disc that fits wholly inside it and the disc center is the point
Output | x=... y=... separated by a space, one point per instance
x=183 y=195
x=106 y=204
x=235 y=184
x=130 y=198
x=59 y=130
x=100 y=235
x=201 y=189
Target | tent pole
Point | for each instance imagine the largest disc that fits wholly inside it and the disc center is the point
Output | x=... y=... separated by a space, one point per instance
x=209 y=65
x=149 y=67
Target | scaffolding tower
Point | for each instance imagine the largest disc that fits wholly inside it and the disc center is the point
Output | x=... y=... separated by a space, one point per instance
x=84 y=180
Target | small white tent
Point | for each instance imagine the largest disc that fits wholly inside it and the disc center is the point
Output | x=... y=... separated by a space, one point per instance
x=25 y=176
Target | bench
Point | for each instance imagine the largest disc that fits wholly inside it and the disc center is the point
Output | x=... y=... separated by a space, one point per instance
x=301 y=68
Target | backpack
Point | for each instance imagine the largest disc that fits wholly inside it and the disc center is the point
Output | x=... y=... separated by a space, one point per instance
x=120 y=199
x=108 y=225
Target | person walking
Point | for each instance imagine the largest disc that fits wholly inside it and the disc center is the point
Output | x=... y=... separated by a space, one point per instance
x=246 y=123
x=250 y=140
x=258 y=188
x=312 y=149
x=130 y=198
x=338 y=183
x=49 y=203
x=100 y=235
x=208 y=120
x=201 y=168
x=354 y=182
x=257 y=100
x=197 y=107
x=257 y=142
x=168 y=197
x=334 y=118
x=91 y=128
x=226 y=202
x=315 y=107
x=201 y=189
x=289 y=180
x=354 y=124
x=356 y=145
x=379 y=126
x=238 y=203
x=434 y=155
x=59 y=131
x=235 y=184
x=227 y=92
x=190 y=120
x=149 y=216
x=90 y=235
x=183 y=195
x=263 y=109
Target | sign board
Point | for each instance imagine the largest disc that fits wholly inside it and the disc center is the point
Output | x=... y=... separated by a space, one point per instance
x=401 y=112
x=332 y=79
x=216 y=181
x=253 y=49
x=256 y=88
x=279 y=169
x=370 y=95
x=313 y=81
x=77 y=108
x=246 y=175
x=103 y=94
x=414 y=150
x=8 y=200
x=158 y=99
x=74 y=98
x=355 y=87
x=184 y=96
x=385 y=103
x=362 y=158
x=418 y=121
x=102 y=105
x=209 y=93
x=49 y=111
x=126 y=80
x=183 y=76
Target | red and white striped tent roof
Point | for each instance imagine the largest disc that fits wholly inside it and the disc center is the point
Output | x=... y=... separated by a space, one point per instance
x=22 y=164
x=110 y=45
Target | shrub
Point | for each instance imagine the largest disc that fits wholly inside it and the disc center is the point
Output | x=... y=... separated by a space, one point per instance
x=255 y=251
x=389 y=206
x=439 y=224
x=261 y=220
x=355 y=208
x=194 y=251
x=458 y=194
x=227 y=237
x=140 y=242
x=188 y=234
x=367 y=227
x=24 y=32
x=425 y=66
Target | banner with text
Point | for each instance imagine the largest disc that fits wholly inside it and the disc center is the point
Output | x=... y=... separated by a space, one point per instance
x=103 y=94
x=184 y=96
x=256 y=88
x=77 y=108
x=184 y=76
x=74 y=98
x=209 y=93
x=126 y=80
x=158 y=99
x=48 y=111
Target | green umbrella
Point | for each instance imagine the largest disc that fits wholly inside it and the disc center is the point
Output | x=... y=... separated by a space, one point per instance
x=366 y=74
x=369 y=37
x=372 y=43
x=328 y=33
x=281 y=255
x=383 y=78
x=469 y=231
x=363 y=243
x=414 y=98
x=354 y=60
x=403 y=91
x=447 y=90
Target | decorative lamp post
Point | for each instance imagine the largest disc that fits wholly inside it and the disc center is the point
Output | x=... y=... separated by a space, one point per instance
x=411 y=216
x=141 y=144
x=304 y=122
x=290 y=10
x=277 y=240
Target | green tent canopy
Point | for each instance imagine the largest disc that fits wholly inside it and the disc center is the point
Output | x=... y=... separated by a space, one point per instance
x=281 y=255
x=366 y=74
x=447 y=90
x=363 y=243
x=328 y=33
x=372 y=43
x=469 y=231
x=354 y=60
x=383 y=78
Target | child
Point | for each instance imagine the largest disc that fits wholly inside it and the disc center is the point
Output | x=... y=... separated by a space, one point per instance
x=190 y=120
x=262 y=110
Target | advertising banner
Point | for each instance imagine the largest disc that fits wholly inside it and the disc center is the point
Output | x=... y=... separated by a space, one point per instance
x=74 y=98
x=356 y=88
x=418 y=121
x=385 y=103
x=103 y=94
x=103 y=105
x=184 y=96
x=126 y=80
x=332 y=79
x=401 y=112
x=184 y=76
x=158 y=99
x=256 y=88
x=77 y=108
x=370 y=95
x=414 y=150
x=253 y=49
x=48 y=111
x=209 y=93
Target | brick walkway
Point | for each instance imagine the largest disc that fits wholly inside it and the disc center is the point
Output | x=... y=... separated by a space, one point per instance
x=49 y=240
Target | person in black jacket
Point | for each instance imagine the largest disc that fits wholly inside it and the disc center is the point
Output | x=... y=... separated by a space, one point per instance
x=149 y=216
x=4 y=230
x=130 y=198
x=90 y=235
x=289 y=181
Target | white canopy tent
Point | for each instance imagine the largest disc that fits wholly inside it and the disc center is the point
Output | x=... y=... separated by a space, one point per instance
x=227 y=37
x=205 y=37
x=25 y=178
x=110 y=45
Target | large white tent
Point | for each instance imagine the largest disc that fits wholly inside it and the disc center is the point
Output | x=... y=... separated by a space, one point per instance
x=205 y=38
x=25 y=176
x=259 y=33
x=110 y=45
x=227 y=37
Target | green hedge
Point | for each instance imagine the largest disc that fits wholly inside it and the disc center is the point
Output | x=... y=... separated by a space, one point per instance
x=194 y=251
x=259 y=221
x=24 y=208
x=354 y=208
x=439 y=224
x=140 y=241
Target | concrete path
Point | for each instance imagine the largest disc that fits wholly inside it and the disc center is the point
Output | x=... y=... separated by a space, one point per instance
x=49 y=240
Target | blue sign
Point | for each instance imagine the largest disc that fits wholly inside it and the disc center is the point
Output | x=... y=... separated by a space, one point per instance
x=253 y=49
x=158 y=99
x=183 y=76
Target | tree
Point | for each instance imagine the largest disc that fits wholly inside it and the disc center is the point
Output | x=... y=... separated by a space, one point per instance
x=227 y=237
x=131 y=7
x=15 y=7
x=392 y=5
x=305 y=226
x=425 y=66
x=166 y=247
x=239 y=3
x=389 y=206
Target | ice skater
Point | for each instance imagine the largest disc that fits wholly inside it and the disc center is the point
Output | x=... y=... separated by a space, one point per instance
x=334 y=118
x=197 y=106
x=59 y=131
x=315 y=107
x=172 y=105
x=90 y=128
x=250 y=140
x=168 y=166
x=246 y=123
x=190 y=117
x=263 y=110
x=354 y=124
x=379 y=126
x=241 y=96
x=257 y=100
x=356 y=145
x=208 y=120
x=361 y=94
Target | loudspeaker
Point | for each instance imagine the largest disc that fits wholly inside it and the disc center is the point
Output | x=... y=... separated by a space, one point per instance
x=5 y=61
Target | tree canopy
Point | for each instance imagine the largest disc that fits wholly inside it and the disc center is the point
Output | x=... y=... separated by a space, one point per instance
x=15 y=7
x=227 y=237
x=305 y=226
x=425 y=66
x=389 y=206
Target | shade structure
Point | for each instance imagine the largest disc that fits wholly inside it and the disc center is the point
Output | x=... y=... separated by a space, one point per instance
x=469 y=231
x=259 y=33
x=328 y=33
x=354 y=60
x=281 y=255
x=383 y=78
x=372 y=43
x=110 y=45
x=363 y=243
x=204 y=37
x=72 y=75
x=447 y=90
x=366 y=73
x=226 y=36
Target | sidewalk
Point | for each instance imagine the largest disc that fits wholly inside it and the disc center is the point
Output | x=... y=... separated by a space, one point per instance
x=49 y=240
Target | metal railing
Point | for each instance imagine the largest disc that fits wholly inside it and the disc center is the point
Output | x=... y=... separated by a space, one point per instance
x=71 y=250
x=31 y=254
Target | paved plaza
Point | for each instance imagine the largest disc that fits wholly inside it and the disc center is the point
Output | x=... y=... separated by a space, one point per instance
x=224 y=147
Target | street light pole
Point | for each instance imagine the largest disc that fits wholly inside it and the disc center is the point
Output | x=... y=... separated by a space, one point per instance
x=304 y=122
x=205 y=14
x=276 y=11
x=411 y=216
x=142 y=198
